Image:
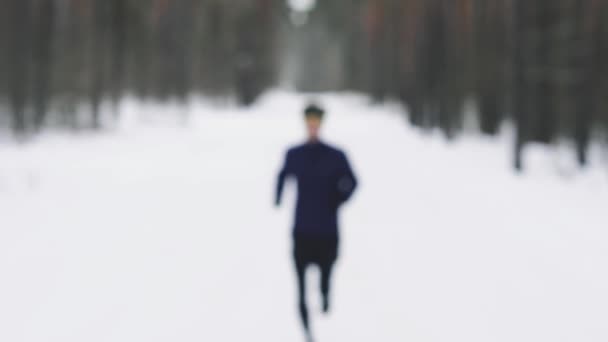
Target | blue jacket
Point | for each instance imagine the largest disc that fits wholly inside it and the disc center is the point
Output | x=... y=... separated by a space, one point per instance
x=325 y=181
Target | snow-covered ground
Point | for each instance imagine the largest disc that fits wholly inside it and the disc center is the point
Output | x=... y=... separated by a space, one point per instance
x=166 y=232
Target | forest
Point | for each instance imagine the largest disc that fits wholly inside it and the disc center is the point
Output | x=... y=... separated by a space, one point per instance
x=538 y=64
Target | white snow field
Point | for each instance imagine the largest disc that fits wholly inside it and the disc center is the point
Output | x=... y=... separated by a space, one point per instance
x=161 y=231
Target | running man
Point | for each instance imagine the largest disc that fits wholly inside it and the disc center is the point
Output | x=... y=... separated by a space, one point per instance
x=325 y=181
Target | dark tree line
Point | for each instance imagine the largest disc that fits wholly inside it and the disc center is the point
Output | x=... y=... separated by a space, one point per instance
x=56 y=55
x=540 y=64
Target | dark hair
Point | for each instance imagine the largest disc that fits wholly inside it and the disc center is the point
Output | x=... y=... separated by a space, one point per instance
x=313 y=110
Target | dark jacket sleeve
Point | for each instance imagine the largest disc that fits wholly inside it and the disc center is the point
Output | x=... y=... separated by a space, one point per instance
x=285 y=171
x=347 y=181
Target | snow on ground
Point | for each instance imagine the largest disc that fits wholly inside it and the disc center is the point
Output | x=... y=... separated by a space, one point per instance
x=165 y=232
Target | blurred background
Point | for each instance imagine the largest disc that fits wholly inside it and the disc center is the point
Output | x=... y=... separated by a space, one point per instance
x=539 y=64
x=140 y=142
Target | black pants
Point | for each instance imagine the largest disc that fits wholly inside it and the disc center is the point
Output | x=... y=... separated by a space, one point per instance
x=322 y=252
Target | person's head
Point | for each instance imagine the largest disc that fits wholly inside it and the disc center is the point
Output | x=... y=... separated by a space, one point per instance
x=314 y=117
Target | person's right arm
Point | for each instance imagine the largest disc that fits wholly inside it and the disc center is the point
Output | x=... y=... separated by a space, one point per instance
x=285 y=171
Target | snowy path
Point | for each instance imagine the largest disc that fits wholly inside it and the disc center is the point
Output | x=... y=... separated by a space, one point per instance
x=168 y=234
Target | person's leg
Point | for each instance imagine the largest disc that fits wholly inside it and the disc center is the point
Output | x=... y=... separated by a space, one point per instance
x=301 y=273
x=326 y=270
x=326 y=266
x=301 y=264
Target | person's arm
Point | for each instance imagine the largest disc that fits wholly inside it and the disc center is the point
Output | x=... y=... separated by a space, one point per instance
x=285 y=171
x=347 y=182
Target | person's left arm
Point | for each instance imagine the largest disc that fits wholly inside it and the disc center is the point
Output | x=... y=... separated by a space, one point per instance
x=347 y=181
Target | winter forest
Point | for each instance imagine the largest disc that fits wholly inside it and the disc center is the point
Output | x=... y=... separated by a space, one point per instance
x=540 y=65
x=161 y=179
